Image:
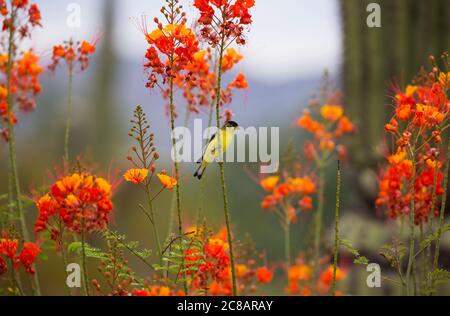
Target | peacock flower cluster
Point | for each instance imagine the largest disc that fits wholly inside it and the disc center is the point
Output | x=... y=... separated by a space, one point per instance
x=156 y=291
x=224 y=20
x=25 y=86
x=214 y=273
x=199 y=83
x=300 y=278
x=19 y=18
x=171 y=46
x=327 y=124
x=73 y=54
x=9 y=255
x=421 y=116
x=73 y=201
x=290 y=196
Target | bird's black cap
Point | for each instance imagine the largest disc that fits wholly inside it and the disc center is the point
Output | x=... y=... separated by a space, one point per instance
x=231 y=124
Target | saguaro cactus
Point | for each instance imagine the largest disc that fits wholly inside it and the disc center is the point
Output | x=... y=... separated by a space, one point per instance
x=373 y=58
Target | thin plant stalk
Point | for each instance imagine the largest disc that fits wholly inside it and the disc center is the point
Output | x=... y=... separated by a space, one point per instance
x=442 y=211
x=319 y=215
x=14 y=175
x=412 y=227
x=69 y=117
x=176 y=166
x=336 y=228
x=152 y=217
x=287 y=242
x=177 y=174
x=221 y=166
x=15 y=280
x=433 y=204
x=83 y=255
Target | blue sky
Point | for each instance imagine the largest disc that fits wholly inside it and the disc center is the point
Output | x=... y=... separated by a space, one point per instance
x=289 y=38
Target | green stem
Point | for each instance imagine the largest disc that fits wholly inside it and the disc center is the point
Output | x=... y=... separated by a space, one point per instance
x=64 y=258
x=287 y=242
x=152 y=220
x=319 y=215
x=14 y=280
x=412 y=227
x=177 y=174
x=14 y=175
x=432 y=219
x=221 y=167
x=442 y=211
x=69 y=118
x=336 y=228
x=131 y=250
x=83 y=255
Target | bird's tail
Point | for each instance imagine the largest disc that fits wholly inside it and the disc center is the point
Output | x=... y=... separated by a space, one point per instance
x=200 y=171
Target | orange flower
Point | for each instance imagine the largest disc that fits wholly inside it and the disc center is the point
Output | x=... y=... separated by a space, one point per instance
x=28 y=256
x=72 y=198
x=299 y=272
x=397 y=158
x=403 y=112
x=8 y=247
x=264 y=275
x=230 y=59
x=269 y=201
x=331 y=113
x=309 y=124
x=269 y=183
x=431 y=163
x=302 y=185
x=166 y=181
x=282 y=190
x=136 y=176
x=87 y=48
x=392 y=127
x=326 y=277
x=153 y=291
x=239 y=82
x=73 y=53
x=241 y=270
x=345 y=126
x=306 y=203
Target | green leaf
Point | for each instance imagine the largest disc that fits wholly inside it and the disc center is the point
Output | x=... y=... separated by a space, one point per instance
x=91 y=252
x=394 y=253
x=350 y=248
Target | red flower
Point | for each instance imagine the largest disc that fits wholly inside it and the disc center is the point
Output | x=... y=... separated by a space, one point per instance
x=231 y=16
x=34 y=15
x=72 y=198
x=171 y=49
x=8 y=247
x=73 y=53
x=264 y=275
x=28 y=255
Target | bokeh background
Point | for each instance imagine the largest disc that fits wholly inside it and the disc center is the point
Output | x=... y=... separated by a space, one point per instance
x=290 y=44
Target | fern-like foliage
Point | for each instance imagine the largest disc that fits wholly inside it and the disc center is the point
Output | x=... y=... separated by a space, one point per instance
x=191 y=249
x=358 y=259
x=394 y=253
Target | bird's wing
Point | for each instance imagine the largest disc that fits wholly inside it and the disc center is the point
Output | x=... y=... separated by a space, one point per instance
x=211 y=150
x=206 y=148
